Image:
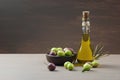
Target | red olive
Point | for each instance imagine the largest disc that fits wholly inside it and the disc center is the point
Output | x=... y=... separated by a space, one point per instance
x=51 y=66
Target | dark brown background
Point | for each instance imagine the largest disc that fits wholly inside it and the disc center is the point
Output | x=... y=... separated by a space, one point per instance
x=34 y=26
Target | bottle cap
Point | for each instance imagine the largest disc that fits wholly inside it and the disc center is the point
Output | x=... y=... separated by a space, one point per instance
x=85 y=15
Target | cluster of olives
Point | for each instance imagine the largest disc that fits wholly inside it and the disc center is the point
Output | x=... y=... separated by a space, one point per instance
x=70 y=66
x=58 y=51
x=61 y=52
x=88 y=65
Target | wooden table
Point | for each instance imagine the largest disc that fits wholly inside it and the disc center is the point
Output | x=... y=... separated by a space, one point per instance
x=33 y=67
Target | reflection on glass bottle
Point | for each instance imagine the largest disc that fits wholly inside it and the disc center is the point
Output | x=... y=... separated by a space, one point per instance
x=85 y=52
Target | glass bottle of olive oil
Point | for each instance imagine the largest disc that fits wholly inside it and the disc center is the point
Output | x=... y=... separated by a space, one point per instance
x=85 y=52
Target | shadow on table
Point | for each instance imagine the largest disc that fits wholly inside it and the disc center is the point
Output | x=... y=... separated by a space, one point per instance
x=109 y=66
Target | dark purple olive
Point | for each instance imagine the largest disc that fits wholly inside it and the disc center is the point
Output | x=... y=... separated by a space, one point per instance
x=71 y=49
x=51 y=66
x=52 y=53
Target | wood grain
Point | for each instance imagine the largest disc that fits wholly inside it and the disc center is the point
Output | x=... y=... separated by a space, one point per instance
x=34 y=26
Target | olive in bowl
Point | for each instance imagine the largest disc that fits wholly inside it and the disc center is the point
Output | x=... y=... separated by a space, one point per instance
x=59 y=56
x=59 y=60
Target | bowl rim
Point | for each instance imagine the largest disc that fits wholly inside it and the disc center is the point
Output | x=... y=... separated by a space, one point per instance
x=60 y=56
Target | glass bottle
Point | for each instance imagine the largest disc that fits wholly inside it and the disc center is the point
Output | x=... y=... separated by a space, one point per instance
x=85 y=51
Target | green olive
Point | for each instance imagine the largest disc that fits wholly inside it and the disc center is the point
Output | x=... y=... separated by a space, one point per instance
x=95 y=64
x=70 y=66
x=66 y=63
x=86 y=67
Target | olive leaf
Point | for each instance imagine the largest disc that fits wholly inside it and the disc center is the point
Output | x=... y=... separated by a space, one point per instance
x=98 y=51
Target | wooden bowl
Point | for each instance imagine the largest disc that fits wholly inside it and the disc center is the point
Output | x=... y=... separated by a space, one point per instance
x=59 y=60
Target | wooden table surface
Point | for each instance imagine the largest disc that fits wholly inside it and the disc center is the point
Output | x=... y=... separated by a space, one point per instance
x=33 y=67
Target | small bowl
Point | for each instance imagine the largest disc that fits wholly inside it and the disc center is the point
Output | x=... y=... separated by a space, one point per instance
x=59 y=60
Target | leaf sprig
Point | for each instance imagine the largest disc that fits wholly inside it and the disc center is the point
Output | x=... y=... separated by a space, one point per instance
x=98 y=51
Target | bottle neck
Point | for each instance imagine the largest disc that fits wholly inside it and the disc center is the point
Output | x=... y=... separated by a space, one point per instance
x=86 y=30
x=86 y=27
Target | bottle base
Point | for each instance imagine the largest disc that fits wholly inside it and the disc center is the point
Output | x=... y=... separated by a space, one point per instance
x=83 y=61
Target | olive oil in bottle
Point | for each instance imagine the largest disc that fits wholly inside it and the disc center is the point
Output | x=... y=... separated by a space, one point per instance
x=85 y=51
